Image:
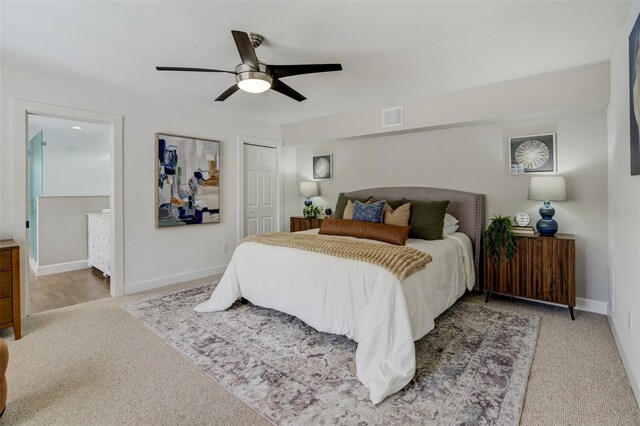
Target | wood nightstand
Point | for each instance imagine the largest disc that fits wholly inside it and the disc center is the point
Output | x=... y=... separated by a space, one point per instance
x=10 y=286
x=543 y=268
x=299 y=223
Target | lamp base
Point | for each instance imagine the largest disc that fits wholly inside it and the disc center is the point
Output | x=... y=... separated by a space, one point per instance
x=308 y=201
x=547 y=226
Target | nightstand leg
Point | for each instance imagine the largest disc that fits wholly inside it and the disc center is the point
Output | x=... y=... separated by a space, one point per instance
x=573 y=318
x=486 y=299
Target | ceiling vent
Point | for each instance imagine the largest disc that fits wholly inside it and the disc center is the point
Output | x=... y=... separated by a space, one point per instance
x=392 y=117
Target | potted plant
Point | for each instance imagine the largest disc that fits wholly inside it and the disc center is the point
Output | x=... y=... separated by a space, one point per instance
x=311 y=212
x=498 y=237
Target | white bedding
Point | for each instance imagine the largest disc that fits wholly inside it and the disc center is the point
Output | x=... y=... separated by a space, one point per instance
x=362 y=301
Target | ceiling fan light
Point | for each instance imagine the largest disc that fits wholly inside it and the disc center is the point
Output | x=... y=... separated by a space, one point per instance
x=254 y=85
x=254 y=82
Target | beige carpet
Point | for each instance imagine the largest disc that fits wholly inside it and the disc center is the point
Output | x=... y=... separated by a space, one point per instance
x=94 y=364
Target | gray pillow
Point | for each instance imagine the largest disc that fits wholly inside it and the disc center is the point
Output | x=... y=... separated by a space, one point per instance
x=427 y=218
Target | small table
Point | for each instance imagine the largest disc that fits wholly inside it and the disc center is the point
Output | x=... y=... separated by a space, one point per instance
x=299 y=223
x=543 y=268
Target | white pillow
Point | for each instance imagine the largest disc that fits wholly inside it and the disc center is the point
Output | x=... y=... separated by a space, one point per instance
x=448 y=230
x=450 y=220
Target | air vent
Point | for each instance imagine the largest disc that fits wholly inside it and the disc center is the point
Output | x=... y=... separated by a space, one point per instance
x=392 y=117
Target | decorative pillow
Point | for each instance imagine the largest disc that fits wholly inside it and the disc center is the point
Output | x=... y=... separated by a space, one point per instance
x=450 y=220
x=342 y=203
x=348 y=211
x=373 y=231
x=373 y=212
x=394 y=204
x=448 y=230
x=427 y=219
x=399 y=216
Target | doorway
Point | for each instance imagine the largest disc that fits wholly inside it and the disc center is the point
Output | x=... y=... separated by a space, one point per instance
x=69 y=195
x=21 y=210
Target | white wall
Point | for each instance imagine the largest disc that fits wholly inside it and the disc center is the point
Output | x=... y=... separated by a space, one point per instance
x=475 y=159
x=579 y=89
x=62 y=227
x=153 y=256
x=75 y=164
x=624 y=209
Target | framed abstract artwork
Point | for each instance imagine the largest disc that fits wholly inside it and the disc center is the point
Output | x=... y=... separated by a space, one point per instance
x=323 y=167
x=187 y=180
x=532 y=154
x=634 y=97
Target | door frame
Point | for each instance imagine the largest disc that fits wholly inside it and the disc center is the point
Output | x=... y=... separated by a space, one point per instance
x=21 y=109
x=267 y=143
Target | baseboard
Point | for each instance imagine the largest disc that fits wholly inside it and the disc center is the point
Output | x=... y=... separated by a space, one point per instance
x=625 y=360
x=586 y=305
x=594 y=306
x=33 y=265
x=61 y=267
x=172 y=279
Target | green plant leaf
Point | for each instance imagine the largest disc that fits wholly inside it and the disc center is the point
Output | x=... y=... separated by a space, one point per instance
x=499 y=237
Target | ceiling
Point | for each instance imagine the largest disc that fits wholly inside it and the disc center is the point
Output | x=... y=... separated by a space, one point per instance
x=389 y=50
x=37 y=123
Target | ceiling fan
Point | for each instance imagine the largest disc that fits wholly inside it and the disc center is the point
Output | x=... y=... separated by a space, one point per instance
x=254 y=76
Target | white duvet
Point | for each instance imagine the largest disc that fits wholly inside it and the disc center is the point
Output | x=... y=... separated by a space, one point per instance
x=362 y=301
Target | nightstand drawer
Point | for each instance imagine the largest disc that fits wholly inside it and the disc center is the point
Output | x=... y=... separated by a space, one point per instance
x=5 y=259
x=6 y=310
x=6 y=282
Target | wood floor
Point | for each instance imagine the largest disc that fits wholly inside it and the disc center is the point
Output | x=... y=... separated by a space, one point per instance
x=65 y=289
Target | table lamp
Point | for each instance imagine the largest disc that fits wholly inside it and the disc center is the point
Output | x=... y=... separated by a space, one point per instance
x=308 y=189
x=547 y=188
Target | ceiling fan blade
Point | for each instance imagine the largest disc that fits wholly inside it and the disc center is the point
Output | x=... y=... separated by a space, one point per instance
x=192 y=69
x=230 y=91
x=245 y=49
x=279 y=86
x=279 y=71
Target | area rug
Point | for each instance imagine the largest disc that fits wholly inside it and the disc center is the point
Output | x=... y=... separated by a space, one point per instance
x=471 y=369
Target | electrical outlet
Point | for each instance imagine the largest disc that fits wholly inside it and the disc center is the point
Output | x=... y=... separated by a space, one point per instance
x=630 y=322
x=225 y=248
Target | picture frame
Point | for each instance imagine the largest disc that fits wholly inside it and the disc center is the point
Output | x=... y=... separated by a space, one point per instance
x=532 y=154
x=187 y=180
x=323 y=167
x=634 y=98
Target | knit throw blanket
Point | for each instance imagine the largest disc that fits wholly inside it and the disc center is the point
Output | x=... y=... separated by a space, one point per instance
x=401 y=261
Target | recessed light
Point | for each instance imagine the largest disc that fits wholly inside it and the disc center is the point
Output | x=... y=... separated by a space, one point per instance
x=77 y=127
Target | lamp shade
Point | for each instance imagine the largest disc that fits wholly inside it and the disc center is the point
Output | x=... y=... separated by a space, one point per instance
x=548 y=188
x=308 y=189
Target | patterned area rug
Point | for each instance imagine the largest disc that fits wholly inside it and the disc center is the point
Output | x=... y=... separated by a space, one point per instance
x=471 y=369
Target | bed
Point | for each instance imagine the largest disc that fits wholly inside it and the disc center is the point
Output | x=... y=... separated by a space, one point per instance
x=364 y=302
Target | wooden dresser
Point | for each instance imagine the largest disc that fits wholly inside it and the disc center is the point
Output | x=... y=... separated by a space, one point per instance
x=299 y=223
x=543 y=268
x=10 y=286
x=99 y=242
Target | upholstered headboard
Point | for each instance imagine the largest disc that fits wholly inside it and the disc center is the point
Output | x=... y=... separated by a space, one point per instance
x=467 y=207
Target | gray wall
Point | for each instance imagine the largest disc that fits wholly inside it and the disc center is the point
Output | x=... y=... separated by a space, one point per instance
x=475 y=158
x=62 y=227
x=624 y=213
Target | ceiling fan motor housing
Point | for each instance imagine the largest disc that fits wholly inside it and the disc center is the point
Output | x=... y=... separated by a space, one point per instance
x=245 y=72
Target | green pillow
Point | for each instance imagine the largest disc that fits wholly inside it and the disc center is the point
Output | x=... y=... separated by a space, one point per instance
x=427 y=218
x=342 y=203
x=394 y=204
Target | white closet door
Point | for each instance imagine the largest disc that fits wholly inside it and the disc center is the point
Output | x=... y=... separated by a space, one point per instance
x=260 y=189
